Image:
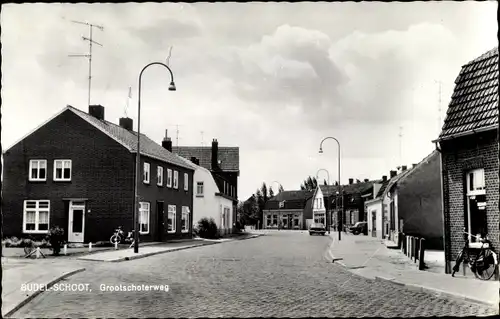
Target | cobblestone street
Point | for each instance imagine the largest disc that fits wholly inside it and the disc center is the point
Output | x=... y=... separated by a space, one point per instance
x=282 y=274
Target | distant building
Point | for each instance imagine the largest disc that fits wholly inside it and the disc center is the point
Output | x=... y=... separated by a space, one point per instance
x=289 y=210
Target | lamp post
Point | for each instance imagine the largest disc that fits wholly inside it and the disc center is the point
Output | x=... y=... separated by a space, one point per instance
x=340 y=185
x=327 y=174
x=138 y=158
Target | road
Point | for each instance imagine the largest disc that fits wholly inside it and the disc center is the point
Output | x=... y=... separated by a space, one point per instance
x=282 y=274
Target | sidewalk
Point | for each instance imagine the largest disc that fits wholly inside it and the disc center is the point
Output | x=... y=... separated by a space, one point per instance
x=17 y=273
x=370 y=258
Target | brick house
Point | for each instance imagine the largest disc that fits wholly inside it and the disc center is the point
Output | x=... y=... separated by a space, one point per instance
x=77 y=171
x=224 y=164
x=412 y=202
x=469 y=149
x=289 y=210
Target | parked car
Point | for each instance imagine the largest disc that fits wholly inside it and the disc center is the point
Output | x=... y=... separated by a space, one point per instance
x=359 y=227
x=317 y=229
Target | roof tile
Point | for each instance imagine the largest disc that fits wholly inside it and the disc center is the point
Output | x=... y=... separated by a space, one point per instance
x=229 y=156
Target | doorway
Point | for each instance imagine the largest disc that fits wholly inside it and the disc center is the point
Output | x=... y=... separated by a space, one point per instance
x=76 y=223
x=160 y=222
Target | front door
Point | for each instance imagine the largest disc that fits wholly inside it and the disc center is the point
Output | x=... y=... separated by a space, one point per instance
x=76 y=226
x=374 y=224
x=160 y=222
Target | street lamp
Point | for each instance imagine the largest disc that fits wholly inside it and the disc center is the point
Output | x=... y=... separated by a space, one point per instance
x=340 y=185
x=327 y=174
x=171 y=87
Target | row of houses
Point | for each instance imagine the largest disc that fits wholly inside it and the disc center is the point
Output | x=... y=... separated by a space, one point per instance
x=77 y=171
x=455 y=187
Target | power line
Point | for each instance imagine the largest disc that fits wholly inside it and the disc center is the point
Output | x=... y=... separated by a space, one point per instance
x=89 y=55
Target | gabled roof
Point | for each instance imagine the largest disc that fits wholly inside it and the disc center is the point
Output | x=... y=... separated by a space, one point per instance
x=355 y=188
x=291 y=196
x=126 y=138
x=400 y=177
x=229 y=156
x=382 y=189
x=474 y=103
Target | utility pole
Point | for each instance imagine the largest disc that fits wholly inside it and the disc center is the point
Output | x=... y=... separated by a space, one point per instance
x=89 y=55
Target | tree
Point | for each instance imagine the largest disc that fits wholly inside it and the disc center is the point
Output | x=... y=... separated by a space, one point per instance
x=271 y=192
x=265 y=194
x=281 y=189
x=324 y=182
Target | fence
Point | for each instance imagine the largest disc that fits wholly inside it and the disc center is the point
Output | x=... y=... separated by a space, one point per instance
x=414 y=248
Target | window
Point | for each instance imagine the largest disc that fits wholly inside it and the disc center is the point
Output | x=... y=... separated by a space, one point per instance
x=169 y=177
x=199 y=188
x=227 y=217
x=144 y=217
x=38 y=170
x=186 y=181
x=268 y=220
x=176 y=179
x=159 y=176
x=319 y=218
x=171 y=218
x=275 y=221
x=62 y=170
x=476 y=204
x=185 y=219
x=36 y=216
x=145 y=173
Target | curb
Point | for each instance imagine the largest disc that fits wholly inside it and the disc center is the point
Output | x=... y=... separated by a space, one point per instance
x=436 y=292
x=36 y=293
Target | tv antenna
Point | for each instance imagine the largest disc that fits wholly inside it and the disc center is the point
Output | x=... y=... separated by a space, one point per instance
x=89 y=55
x=439 y=109
x=400 y=144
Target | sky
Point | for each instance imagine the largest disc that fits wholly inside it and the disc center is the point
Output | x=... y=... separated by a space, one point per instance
x=273 y=79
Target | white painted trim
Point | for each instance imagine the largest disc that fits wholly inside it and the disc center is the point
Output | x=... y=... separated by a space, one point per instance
x=176 y=179
x=174 y=220
x=148 y=166
x=169 y=178
x=70 y=170
x=185 y=213
x=71 y=218
x=159 y=181
x=31 y=167
x=149 y=218
x=186 y=181
x=37 y=218
x=202 y=184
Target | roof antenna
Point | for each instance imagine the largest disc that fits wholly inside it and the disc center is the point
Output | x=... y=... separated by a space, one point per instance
x=129 y=98
x=169 y=55
x=400 y=145
x=439 y=109
x=89 y=55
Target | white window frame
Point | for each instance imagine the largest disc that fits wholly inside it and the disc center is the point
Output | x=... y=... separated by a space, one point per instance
x=200 y=185
x=476 y=191
x=185 y=214
x=172 y=209
x=144 y=208
x=63 y=162
x=37 y=179
x=186 y=181
x=159 y=176
x=146 y=173
x=176 y=179
x=169 y=177
x=37 y=211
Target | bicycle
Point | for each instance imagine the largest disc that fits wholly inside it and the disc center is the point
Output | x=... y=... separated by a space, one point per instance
x=30 y=250
x=484 y=264
x=119 y=236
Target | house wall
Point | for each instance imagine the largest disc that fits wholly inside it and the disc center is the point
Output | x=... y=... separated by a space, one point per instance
x=319 y=205
x=153 y=193
x=232 y=177
x=419 y=203
x=206 y=205
x=458 y=156
x=375 y=206
x=102 y=171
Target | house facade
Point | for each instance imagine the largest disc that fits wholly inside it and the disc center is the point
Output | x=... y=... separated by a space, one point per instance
x=223 y=163
x=77 y=171
x=210 y=200
x=469 y=149
x=374 y=209
x=412 y=199
x=289 y=210
x=319 y=209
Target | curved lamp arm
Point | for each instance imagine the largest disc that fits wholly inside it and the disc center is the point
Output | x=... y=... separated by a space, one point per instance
x=327 y=173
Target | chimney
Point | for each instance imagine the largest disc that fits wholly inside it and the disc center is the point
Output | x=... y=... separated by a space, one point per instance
x=351 y=180
x=403 y=168
x=384 y=178
x=215 y=154
x=197 y=162
x=167 y=142
x=127 y=123
x=393 y=173
x=193 y=160
x=414 y=165
x=97 y=111
x=366 y=180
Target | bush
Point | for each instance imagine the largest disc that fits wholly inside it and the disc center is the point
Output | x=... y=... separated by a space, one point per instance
x=56 y=239
x=207 y=228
